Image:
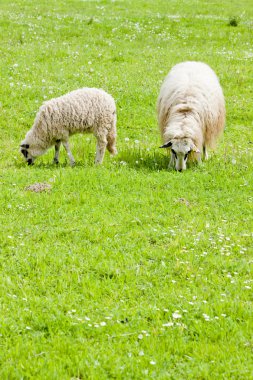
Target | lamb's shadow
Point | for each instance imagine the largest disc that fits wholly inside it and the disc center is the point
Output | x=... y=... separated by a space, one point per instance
x=38 y=165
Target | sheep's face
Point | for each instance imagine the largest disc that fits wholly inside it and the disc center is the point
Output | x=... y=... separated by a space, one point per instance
x=180 y=150
x=30 y=153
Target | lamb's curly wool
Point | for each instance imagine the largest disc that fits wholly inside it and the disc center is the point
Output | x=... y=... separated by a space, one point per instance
x=80 y=111
x=191 y=111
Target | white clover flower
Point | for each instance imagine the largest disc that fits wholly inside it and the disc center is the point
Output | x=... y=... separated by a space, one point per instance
x=176 y=315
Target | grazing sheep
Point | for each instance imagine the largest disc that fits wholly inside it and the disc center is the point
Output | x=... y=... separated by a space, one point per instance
x=80 y=111
x=191 y=112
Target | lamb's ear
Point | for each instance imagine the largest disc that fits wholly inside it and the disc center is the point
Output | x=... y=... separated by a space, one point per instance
x=26 y=146
x=166 y=145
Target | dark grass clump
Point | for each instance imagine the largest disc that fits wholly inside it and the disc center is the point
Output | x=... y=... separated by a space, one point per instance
x=233 y=21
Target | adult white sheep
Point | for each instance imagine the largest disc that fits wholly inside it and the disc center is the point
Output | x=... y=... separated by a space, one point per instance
x=80 y=111
x=191 y=112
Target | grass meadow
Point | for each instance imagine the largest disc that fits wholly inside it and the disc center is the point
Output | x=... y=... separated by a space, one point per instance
x=126 y=270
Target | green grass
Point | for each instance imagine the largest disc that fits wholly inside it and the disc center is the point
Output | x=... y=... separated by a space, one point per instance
x=95 y=271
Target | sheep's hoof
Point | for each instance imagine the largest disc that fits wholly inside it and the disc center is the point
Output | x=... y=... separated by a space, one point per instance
x=72 y=164
x=55 y=161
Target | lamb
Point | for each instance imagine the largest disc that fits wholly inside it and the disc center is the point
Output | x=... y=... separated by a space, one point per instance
x=80 y=111
x=191 y=112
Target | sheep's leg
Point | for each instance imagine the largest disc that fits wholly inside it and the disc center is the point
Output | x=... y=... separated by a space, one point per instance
x=111 y=144
x=70 y=156
x=100 y=150
x=57 y=151
x=205 y=153
x=111 y=138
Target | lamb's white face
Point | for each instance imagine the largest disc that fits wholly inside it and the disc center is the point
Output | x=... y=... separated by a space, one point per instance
x=180 y=150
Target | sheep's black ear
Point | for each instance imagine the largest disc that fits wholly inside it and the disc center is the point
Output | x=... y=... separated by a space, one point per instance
x=26 y=146
x=166 y=145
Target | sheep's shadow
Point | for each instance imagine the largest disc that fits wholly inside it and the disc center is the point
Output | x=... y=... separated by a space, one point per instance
x=147 y=159
x=138 y=159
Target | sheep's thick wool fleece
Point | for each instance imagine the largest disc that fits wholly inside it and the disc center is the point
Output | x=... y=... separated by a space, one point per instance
x=83 y=110
x=191 y=104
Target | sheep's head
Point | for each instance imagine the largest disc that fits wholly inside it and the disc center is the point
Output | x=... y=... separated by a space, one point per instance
x=180 y=150
x=30 y=151
x=25 y=150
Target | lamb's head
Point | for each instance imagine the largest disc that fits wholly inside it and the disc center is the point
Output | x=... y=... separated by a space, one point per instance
x=30 y=150
x=180 y=150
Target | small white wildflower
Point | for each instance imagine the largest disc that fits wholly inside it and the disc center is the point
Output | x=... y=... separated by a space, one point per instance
x=89 y=63
x=15 y=65
x=247 y=287
x=137 y=162
x=140 y=336
x=141 y=353
x=102 y=323
x=233 y=161
x=173 y=281
x=153 y=362
x=28 y=328
x=126 y=138
x=136 y=141
x=176 y=315
x=87 y=318
x=166 y=310
x=169 y=324
x=224 y=315
x=11 y=84
x=43 y=80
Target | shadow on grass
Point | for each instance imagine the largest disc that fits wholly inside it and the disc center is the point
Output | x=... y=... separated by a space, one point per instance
x=143 y=159
x=138 y=159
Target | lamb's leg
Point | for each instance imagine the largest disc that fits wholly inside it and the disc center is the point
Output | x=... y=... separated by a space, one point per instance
x=70 y=156
x=57 y=151
x=100 y=149
x=205 y=152
x=111 y=138
x=111 y=144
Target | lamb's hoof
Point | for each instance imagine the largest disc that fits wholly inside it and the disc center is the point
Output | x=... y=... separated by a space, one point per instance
x=73 y=164
x=55 y=161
